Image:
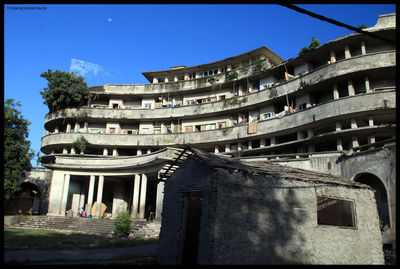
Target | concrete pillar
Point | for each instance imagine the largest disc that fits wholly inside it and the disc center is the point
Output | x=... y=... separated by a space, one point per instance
x=175 y=78
x=227 y=147
x=155 y=80
x=73 y=150
x=310 y=133
x=229 y=68
x=216 y=149
x=105 y=151
x=300 y=135
x=99 y=195
x=159 y=199
x=148 y=151
x=139 y=152
x=350 y=88
x=354 y=141
x=333 y=56
x=363 y=50
x=250 y=144
x=65 y=150
x=262 y=142
x=115 y=152
x=239 y=146
x=143 y=189
x=56 y=129
x=68 y=130
x=339 y=144
x=166 y=79
x=371 y=139
x=186 y=76
x=335 y=92
x=90 y=194
x=273 y=140
x=367 y=86
x=135 y=200
x=85 y=127
x=240 y=90
x=353 y=123
x=347 y=53
x=338 y=126
x=370 y=121
x=76 y=127
x=65 y=192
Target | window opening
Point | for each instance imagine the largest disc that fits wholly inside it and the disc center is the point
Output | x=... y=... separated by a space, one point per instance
x=335 y=212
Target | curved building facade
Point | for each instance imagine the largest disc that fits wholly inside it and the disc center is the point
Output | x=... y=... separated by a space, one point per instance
x=316 y=112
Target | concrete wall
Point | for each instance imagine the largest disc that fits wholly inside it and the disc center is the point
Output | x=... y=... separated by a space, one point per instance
x=251 y=220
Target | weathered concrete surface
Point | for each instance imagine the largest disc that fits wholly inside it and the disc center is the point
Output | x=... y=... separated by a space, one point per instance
x=257 y=220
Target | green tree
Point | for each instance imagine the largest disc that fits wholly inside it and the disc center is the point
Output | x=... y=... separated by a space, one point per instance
x=65 y=90
x=122 y=224
x=314 y=43
x=17 y=152
x=362 y=26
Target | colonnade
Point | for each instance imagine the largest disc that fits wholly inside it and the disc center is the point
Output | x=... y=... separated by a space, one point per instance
x=59 y=205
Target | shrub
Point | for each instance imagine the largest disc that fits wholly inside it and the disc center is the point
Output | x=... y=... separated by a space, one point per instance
x=122 y=225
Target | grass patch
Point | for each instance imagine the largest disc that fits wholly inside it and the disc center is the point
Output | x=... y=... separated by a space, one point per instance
x=44 y=239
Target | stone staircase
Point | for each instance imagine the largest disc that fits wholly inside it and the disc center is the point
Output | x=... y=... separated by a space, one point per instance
x=96 y=226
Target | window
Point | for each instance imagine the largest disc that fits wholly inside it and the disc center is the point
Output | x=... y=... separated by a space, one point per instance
x=221 y=125
x=336 y=212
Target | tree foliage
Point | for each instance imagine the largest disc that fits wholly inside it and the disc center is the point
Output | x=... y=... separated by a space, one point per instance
x=65 y=90
x=122 y=224
x=314 y=43
x=17 y=152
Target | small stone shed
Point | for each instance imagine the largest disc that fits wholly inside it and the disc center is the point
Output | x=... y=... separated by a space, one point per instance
x=222 y=211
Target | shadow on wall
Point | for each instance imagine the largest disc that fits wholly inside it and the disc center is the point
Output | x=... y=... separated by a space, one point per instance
x=261 y=224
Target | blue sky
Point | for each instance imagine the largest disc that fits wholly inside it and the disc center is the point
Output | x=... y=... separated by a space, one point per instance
x=115 y=43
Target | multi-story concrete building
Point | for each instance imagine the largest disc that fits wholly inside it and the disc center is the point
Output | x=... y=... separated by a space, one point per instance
x=330 y=110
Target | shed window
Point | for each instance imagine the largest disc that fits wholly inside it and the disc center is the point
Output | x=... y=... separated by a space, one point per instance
x=336 y=212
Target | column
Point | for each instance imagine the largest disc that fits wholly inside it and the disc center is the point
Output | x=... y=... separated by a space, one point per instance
x=72 y=150
x=273 y=140
x=85 y=127
x=216 y=149
x=353 y=123
x=350 y=88
x=99 y=195
x=68 y=130
x=148 y=151
x=56 y=129
x=339 y=144
x=367 y=86
x=142 y=204
x=310 y=133
x=139 y=152
x=155 y=80
x=159 y=199
x=333 y=56
x=115 y=152
x=354 y=141
x=227 y=147
x=105 y=151
x=338 y=126
x=363 y=50
x=262 y=142
x=65 y=194
x=239 y=146
x=347 y=53
x=90 y=195
x=65 y=150
x=250 y=145
x=135 y=200
x=76 y=128
x=335 y=92
x=370 y=121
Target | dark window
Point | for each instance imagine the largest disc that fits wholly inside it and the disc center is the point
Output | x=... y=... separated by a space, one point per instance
x=332 y=211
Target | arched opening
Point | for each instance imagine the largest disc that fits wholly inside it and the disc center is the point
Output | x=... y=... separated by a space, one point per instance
x=380 y=196
x=26 y=201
